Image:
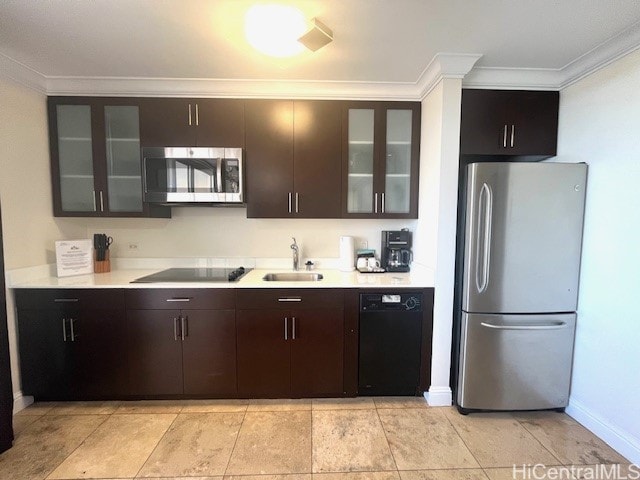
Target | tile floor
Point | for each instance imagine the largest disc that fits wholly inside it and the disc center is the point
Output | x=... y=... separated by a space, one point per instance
x=324 y=439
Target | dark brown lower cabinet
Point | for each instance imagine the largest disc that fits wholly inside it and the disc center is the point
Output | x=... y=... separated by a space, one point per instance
x=290 y=353
x=174 y=352
x=72 y=344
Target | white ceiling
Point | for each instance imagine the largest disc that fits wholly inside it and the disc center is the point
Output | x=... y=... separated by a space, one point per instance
x=374 y=40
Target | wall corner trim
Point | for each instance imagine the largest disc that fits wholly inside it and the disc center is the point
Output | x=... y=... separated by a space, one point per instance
x=438 y=396
x=622 y=441
x=445 y=65
x=20 y=402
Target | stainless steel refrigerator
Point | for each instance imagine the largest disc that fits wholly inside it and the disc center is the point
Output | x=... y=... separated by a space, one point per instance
x=523 y=238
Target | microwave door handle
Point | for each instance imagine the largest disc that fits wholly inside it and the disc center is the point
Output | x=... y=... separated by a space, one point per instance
x=219 y=175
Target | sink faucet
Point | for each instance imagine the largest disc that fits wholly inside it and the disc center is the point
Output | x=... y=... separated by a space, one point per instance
x=294 y=247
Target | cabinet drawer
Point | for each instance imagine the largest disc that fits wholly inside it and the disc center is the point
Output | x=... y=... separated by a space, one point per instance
x=94 y=299
x=290 y=298
x=180 y=298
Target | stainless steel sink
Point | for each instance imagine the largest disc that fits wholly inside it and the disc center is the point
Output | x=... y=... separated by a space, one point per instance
x=292 y=277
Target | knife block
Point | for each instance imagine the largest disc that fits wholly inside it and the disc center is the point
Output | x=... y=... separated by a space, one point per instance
x=102 y=266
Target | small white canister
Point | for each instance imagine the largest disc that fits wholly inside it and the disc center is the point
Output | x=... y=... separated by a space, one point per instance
x=347 y=254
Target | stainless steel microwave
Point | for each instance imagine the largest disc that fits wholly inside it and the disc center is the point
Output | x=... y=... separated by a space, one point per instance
x=192 y=175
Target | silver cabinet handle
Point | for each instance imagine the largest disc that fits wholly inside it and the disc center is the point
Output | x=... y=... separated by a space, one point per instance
x=101 y=202
x=513 y=132
x=95 y=208
x=189 y=114
x=483 y=237
x=382 y=203
x=375 y=203
x=64 y=329
x=290 y=299
x=73 y=336
x=179 y=299
x=197 y=116
x=286 y=328
x=183 y=327
x=293 y=328
x=66 y=300
x=289 y=202
x=504 y=138
x=297 y=202
x=552 y=326
x=175 y=328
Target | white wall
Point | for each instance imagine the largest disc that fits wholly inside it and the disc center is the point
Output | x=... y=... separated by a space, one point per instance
x=28 y=226
x=600 y=125
x=436 y=229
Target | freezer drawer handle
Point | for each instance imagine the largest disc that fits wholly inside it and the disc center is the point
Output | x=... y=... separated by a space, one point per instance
x=553 y=326
x=484 y=237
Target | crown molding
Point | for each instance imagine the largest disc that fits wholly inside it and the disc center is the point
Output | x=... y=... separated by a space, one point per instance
x=598 y=57
x=445 y=65
x=20 y=73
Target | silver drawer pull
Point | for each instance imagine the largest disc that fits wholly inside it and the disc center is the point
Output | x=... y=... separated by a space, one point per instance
x=290 y=299
x=182 y=299
x=552 y=326
x=66 y=300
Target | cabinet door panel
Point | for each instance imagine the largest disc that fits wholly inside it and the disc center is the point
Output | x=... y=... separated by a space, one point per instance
x=45 y=356
x=317 y=352
x=220 y=123
x=209 y=352
x=100 y=353
x=317 y=159
x=483 y=122
x=154 y=352
x=269 y=162
x=164 y=122
x=361 y=155
x=534 y=119
x=263 y=354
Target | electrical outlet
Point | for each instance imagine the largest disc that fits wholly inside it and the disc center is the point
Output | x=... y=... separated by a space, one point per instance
x=363 y=244
x=133 y=246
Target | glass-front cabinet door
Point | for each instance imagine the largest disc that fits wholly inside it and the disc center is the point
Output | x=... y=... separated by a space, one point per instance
x=381 y=161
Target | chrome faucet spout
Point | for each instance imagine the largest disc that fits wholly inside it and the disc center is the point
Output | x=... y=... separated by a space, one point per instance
x=296 y=250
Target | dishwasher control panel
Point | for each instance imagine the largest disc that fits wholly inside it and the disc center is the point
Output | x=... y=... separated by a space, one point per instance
x=382 y=302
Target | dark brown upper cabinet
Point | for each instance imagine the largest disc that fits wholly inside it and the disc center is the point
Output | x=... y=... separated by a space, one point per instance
x=95 y=158
x=202 y=122
x=381 y=150
x=293 y=153
x=509 y=122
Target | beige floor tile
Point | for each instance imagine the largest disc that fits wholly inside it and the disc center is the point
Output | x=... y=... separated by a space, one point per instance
x=293 y=476
x=195 y=444
x=509 y=473
x=423 y=438
x=359 y=403
x=272 y=443
x=460 y=474
x=20 y=422
x=38 y=409
x=567 y=439
x=279 y=405
x=349 y=441
x=391 y=475
x=84 y=408
x=41 y=446
x=498 y=440
x=118 y=448
x=400 y=402
x=151 y=406
x=214 y=406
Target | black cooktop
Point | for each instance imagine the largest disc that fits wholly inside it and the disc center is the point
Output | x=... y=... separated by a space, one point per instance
x=195 y=275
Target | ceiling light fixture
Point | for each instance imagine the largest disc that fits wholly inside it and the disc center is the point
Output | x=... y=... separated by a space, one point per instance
x=274 y=29
x=316 y=38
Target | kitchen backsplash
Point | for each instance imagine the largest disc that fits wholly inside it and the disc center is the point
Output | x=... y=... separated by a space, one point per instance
x=226 y=232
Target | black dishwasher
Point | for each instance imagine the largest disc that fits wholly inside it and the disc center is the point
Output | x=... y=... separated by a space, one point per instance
x=390 y=343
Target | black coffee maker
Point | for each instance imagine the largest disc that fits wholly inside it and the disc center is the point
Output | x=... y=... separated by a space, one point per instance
x=396 y=253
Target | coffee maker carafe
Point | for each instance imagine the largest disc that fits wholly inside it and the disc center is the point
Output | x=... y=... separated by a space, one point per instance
x=396 y=253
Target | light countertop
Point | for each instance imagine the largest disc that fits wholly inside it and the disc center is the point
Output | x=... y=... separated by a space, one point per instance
x=419 y=277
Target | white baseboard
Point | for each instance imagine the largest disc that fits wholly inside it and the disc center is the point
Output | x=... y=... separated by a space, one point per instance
x=21 y=402
x=438 y=396
x=624 y=442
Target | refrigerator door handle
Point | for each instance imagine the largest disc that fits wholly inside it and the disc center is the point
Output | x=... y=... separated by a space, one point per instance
x=483 y=242
x=551 y=326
